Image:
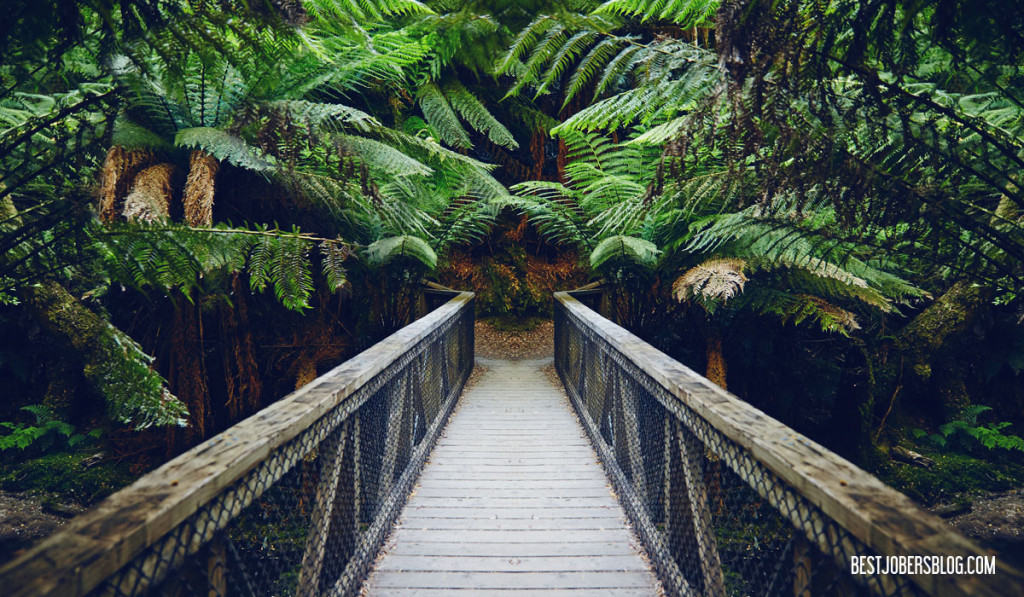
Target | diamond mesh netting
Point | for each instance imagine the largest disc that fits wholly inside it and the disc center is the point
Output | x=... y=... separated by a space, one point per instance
x=714 y=520
x=310 y=517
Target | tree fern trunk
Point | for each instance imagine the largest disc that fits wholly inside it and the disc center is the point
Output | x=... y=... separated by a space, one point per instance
x=306 y=370
x=199 y=188
x=187 y=375
x=241 y=373
x=120 y=168
x=152 y=193
x=716 y=367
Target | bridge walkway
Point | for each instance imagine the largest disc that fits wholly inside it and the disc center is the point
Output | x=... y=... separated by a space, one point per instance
x=513 y=497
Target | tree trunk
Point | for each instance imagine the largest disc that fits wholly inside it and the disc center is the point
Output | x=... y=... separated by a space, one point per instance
x=119 y=170
x=241 y=374
x=926 y=341
x=87 y=335
x=187 y=375
x=949 y=316
x=202 y=174
x=152 y=194
x=537 y=149
x=716 y=367
x=850 y=422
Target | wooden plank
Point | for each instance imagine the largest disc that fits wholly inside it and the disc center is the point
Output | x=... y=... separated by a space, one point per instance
x=540 y=489
x=388 y=580
x=94 y=545
x=512 y=550
x=510 y=502
x=590 y=592
x=477 y=523
x=511 y=513
x=882 y=518
x=465 y=563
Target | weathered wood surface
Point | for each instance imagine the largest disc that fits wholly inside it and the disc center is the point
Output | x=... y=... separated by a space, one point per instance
x=513 y=498
x=98 y=543
x=883 y=518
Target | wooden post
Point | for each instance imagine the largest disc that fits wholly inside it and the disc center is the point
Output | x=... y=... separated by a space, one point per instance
x=814 y=574
x=216 y=564
x=631 y=422
x=679 y=526
x=343 y=536
x=331 y=459
x=396 y=400
x=690 y=453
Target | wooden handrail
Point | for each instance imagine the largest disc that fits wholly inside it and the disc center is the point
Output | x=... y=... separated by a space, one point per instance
x=95 y=545
x=884 y=519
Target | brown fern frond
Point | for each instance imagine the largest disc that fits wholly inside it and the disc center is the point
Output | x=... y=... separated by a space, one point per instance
x=832 y=316
x=715 y=279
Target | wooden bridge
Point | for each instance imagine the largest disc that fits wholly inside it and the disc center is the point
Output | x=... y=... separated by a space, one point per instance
x=635 y=477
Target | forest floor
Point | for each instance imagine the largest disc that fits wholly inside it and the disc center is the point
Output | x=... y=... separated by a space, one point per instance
x=27 y=518
x=995 y=520
x=498 y=342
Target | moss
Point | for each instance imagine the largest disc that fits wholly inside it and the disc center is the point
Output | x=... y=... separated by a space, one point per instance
x=64 y=477
x=954 y=477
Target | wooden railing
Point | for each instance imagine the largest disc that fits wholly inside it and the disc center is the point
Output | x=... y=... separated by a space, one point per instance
x=729 y=501
x=295 y=500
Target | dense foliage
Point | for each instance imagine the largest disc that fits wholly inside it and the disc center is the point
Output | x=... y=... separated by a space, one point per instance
x=816 y=204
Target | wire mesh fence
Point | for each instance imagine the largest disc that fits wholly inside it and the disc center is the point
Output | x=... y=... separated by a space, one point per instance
x=304 y=515
x=715 y=518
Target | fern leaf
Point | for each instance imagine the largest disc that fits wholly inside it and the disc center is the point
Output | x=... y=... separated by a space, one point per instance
x=474 y=112
x=407 y=247
x=440 y=114
x=626 y=249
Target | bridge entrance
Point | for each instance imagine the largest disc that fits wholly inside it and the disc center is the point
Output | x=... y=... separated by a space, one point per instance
x=513 y=497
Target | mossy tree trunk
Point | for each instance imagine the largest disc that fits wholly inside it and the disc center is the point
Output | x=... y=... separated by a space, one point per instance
x=85 y=334
x=925 y=344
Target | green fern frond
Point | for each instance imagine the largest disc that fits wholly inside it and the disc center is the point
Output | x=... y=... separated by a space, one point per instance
x=334 y=256
x=565 y=56
x=685 y=13
x=440 y=114
x=525 y=41
x=477 y=115
x=407 y=247
x=628 y=249
x=134 y=136
x=224 y=147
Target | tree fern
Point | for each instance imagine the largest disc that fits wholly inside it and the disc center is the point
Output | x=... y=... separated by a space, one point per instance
x=224 y=147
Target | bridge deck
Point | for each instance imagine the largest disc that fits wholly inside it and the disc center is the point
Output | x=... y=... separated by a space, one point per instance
x=512 y=498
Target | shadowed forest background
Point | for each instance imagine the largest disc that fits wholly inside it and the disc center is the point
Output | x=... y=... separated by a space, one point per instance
x=204 y=205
